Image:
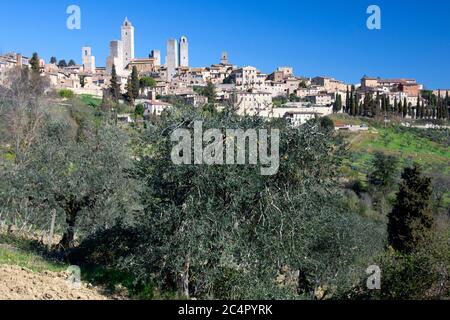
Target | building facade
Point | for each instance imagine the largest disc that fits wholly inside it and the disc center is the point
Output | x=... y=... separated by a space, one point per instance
x=143 y=66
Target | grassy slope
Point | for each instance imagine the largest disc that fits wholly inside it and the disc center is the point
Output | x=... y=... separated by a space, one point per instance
x=407 y=145
x=90 y=100
x=29 y=260
x=24 y=253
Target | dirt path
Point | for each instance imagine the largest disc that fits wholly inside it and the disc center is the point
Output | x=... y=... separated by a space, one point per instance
x=18 y=283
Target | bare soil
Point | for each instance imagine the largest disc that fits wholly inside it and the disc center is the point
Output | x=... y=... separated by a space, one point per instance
x=17 y=283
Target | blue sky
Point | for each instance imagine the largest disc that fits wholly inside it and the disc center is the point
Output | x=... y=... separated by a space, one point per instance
x=315 y=37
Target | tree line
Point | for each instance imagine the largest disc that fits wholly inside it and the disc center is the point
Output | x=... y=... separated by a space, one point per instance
x=428 y=106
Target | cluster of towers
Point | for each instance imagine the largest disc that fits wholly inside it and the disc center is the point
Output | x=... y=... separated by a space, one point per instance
x=121 y=52
x=177 y=55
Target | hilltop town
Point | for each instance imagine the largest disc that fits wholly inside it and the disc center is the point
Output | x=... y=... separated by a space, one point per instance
x=131 y=179
x=280 y=94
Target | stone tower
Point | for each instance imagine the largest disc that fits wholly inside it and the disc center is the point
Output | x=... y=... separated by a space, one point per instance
x=115 y=57
x=172 y=58
x=127 y=42
x=184 y=52
x=224 y=58
x=156 y=54
x=88 y=60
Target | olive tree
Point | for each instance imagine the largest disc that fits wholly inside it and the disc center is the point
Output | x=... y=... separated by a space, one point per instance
x=73 y=166
x=226 y=231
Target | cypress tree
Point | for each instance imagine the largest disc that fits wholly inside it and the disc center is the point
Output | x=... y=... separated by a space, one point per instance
x=417 y=113
x=395 y=105
x=422 y=110
x=440 y=110
x=347 y=101
x=376 y=105
x=445 y=108
x=405 y=108
x=35 y=63
x=62 y=64
x=337 y=106
x=353 y=107
x=353 y=102
x=135 y=84
x=388 y=104
x=130 y=91
x=411 y=219
x=114 y=87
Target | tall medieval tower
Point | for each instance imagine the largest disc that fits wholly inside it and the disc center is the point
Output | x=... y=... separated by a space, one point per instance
x=184 y=52
x=127 y=42
x=172 y=58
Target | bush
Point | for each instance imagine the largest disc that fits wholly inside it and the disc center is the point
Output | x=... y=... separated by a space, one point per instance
x=66 y=94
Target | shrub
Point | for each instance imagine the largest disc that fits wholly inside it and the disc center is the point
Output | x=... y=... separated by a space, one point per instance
x=66 y=94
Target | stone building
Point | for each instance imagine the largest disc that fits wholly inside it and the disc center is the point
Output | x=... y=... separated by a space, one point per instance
x=369 y=83
x=88 y=60
x=410 y=89
x=246 y=77
x=298 y=118
x=121 y=52
x=287 y=71
x=330 y=84
x=154 y=107
x=8 y=62
x=143 y=66
x=127 y=31
x=319 y=99
x=115 y=57
x=184 y=52
x=224 y=58
x=171 y=59
x=253 y=102
x=156 y=55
